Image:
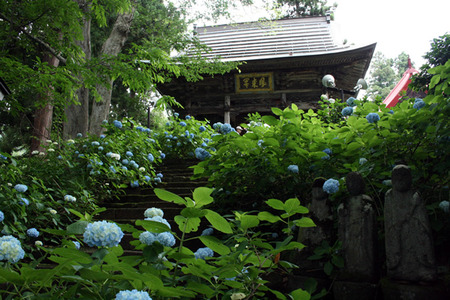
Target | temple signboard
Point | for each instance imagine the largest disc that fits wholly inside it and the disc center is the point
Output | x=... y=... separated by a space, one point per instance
x=254 y=82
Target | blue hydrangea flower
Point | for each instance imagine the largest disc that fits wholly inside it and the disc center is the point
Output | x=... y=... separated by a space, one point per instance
x=3 y=157
x=11 y=249
x=157 y=180
x=418 y=103
x=33 y=232
x=147 y=238
x=102 y=136
x=331 y=186
x=24 y=201
x=188 y=117
x=160 y=175
x=125 y=161
x=445 y=206
x=2 y=216
x=77 y=244
x=362 y=161
x=133 y=164
x=134 y=184
x=124 y=168
x=387 y=182
x=159 y=219
x=129 y=153
x=21 y=188
x=166 y=239
x=118 y=124
x=132 y=295
x=351 y=101
x=217 y=125
x=79 y=134
x=102 y=234
x=153 y=212
x=208 y=231
x=327 y=151
x=100 y=148
x=147 y=178
x=111 y=168
x=95 y=143
x=373 y=117
x=176 y=115
x=226 y=128
x=70 y=198
x=202 y=128
x=293 y=169
x=391 y=112
x=347 y=111
x=162 y=155
x=325 y=157
x=202 y=154
x=183 y=124
x=203 y=253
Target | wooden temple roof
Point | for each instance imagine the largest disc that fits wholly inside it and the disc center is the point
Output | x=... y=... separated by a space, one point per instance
x=269 y=39
x=288 y=57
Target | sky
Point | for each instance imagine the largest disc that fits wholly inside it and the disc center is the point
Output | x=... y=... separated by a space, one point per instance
x=395 y=25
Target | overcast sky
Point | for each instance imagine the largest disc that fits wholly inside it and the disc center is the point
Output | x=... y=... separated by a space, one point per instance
x=395 y=25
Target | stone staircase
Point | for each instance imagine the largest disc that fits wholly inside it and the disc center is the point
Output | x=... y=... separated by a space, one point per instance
x=130 y=206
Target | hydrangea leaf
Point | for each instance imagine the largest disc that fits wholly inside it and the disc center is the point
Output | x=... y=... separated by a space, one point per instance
x=267 y=216
x=248 y=221
x=153 y=226
x=77 y=227
x=202 y=196
x=305 y=222
x=276 y=111
x=187 y=225
x=192 y=212
x=275 y=203
x=300 y=294
x=169 y=196
x=218 y=222
x=214 y=244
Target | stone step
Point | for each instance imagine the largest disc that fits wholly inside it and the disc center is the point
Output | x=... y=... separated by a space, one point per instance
x=130 y=213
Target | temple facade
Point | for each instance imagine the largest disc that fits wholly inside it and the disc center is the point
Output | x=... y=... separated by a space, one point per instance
x=284 y=62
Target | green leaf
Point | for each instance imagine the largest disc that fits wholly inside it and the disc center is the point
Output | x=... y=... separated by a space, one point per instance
x=276 y=111
x=291 y=205
x=275 y=203
x=169 y=196
x=300 y=294
x=270 y=120
x=202 y=196
x=267 y=216
x=187 y=225
x=328 y=268
x=152 y=226
x=338 y=261
x=353 y=146
x=249 y=221
x=215 y=244
x=77 y=228
x=192 y=212
x=73 y=255
x=304 y=222
x=218 y=222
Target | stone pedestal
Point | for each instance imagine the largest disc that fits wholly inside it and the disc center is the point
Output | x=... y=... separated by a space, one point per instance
x=346 y=290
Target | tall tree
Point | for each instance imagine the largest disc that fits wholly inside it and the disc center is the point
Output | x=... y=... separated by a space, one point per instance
x=65 y=30
x=385 y=73
x=303 y=8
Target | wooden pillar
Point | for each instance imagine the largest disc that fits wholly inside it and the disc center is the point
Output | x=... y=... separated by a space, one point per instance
x=226 y=115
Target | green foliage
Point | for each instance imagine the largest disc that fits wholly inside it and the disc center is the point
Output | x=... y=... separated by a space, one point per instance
x=303 y=8
x=242 y=261
x=437 y=56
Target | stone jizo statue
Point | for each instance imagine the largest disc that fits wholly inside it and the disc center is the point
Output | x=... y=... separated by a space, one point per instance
x=409 y=244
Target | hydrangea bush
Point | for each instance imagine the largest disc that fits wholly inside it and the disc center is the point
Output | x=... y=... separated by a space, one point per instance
x=236 y=259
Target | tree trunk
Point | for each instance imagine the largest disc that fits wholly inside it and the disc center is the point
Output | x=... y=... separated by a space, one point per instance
x=77 y=115
x=43 y=116
x=112 y=47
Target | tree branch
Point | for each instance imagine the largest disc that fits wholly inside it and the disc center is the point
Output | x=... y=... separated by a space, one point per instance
x=35 y=39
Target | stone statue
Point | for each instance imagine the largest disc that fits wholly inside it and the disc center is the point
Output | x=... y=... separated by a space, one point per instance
x=357 y=232
x=409 y=244
x=321 y=214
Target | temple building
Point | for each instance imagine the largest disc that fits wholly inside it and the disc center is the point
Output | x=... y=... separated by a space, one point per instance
x=285 y=61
